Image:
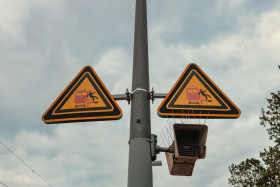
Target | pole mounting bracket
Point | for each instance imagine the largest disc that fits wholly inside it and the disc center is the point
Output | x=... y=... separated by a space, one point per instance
x=154 y=95
x=156 y=149
x=127 y=95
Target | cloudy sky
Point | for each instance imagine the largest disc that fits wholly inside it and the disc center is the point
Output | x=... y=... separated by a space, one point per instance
x=45 y=43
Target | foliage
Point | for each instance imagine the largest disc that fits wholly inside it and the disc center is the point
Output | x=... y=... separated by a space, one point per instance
x=265 y=171
x=271 y=118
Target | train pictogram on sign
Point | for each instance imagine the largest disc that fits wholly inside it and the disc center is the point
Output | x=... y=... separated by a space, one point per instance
x=197 y=96
x=82 y=98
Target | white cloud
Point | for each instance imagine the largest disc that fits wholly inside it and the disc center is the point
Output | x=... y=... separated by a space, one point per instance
x=115 y=66
x=234 y=2
x=242 y=63
x=249 y=58
x=244 y=66
x=13 y=15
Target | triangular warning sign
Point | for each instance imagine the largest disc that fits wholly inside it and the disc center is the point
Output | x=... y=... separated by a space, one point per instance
x=85 y=99
x=196 y=95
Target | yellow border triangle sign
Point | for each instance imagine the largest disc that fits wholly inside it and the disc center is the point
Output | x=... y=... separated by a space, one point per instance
x=196 y=95
x=85 y=99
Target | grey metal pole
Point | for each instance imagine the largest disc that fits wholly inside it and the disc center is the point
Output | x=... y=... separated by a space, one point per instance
x=140 y=162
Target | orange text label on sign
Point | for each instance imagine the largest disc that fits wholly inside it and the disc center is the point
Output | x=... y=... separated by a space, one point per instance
x=194 y=94
x=85 y=99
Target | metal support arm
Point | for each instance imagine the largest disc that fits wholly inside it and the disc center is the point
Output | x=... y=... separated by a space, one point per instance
x=156 y=149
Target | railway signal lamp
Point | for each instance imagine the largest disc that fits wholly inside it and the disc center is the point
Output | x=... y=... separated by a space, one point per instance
x=189 y=145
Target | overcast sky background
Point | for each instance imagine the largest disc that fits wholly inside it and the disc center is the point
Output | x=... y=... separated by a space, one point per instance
x=45 y=43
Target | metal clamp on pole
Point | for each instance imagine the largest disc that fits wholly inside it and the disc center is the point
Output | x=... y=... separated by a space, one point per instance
x=154 y=95
x=137 y=90
x=127 y=95
x=139 y=139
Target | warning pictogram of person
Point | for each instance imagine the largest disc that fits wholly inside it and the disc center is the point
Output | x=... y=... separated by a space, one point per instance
x=204 y=94
x=91 y=94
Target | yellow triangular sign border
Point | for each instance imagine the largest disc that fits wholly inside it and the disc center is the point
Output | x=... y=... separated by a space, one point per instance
x=111 y=110
x=168 y=108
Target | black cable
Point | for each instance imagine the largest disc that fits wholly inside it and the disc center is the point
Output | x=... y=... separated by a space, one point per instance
x=3 y=184
x=31 y=178
x=25 y=163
